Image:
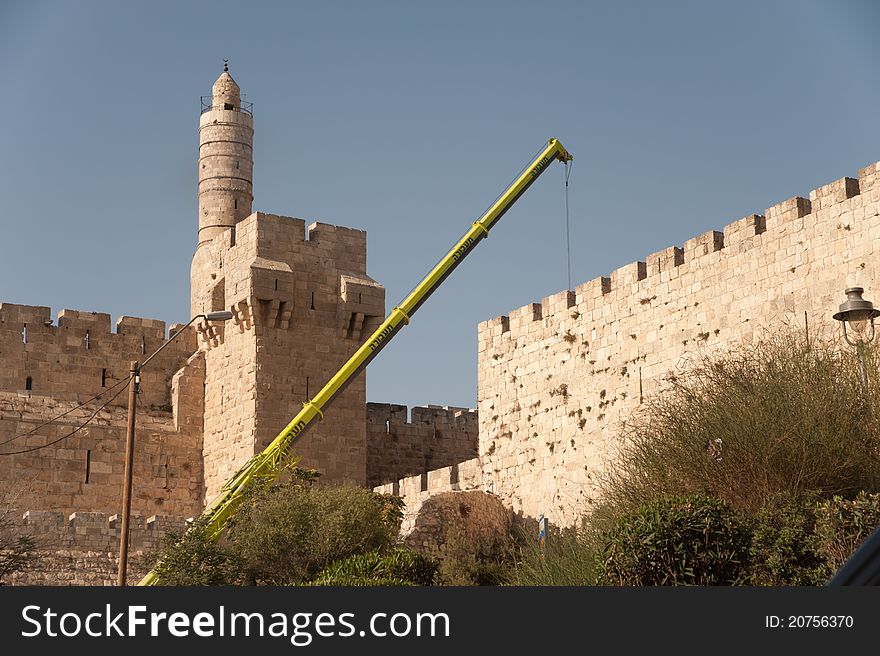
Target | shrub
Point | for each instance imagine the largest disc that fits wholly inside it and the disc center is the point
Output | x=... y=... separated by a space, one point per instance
x=472 y=557
x=694 y=540
x=759 y=420
x=283 y=535
x=18 y=549
x=395 y=567
x=288 y=533
x=842 y=525
x=785 y=548
x=568 y=558
x=190 y=558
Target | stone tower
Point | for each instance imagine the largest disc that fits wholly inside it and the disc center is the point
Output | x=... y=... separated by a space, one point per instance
x=226 y=159
x=302 y=303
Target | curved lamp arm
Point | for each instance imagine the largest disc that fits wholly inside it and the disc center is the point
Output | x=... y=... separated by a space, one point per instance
x=222 y=315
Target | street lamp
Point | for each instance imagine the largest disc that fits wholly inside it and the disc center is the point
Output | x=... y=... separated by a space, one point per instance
x=859 y=315
x=134 y=381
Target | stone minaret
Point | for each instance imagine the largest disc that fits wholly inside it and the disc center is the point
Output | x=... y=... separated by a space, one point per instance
x=302 y=303
x=226 y=171
x=226 y=159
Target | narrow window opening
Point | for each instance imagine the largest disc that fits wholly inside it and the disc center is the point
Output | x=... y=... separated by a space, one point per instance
x=387 y=425
x=313 y=301
x=237 y=164
x=29 y=383
x=24 y=334
x=276 y=284
x=228 y=106
x=143 y=344
x=359 y=299
x=88 y=340
x=236 y=203
x=103 y=378
x=232 y=233
x=88 y=464
x=641 y=390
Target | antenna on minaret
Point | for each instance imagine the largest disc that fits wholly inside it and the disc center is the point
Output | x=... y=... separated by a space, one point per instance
x=226 y=65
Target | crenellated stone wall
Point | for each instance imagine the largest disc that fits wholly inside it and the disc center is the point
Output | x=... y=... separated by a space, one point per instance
x=46 y=463
x=435 y=437
x=82 y=548
x=557 y=377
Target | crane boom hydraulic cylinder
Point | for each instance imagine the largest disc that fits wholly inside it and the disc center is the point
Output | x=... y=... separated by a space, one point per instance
x=263 y=468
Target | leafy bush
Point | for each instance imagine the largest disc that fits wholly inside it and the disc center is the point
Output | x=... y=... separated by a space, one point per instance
x=395 y=567
x=761 y=419
x=842 y=525
x=785 y=548
x=283 y=535
x=693 y=540
x=190 y=558
x=288 y=533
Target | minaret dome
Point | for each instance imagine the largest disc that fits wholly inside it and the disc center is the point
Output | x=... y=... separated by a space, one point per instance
x=225 y=94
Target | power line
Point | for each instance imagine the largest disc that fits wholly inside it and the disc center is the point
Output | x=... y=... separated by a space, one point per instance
x=75 y=430
x=63 y=414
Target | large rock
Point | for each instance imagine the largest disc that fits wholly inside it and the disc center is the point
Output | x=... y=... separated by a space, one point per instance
x=478 y=517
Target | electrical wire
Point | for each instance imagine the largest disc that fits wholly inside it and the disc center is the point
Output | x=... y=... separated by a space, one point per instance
x=64 y=414
x=74 y=431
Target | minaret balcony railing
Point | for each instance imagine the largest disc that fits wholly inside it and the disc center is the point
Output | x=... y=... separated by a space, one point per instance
x=208 y=105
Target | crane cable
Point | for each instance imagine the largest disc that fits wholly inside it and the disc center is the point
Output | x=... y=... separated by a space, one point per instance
x=567 y=229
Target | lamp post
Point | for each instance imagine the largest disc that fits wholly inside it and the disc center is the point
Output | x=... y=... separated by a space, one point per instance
x=133 y=383
x=859 y=315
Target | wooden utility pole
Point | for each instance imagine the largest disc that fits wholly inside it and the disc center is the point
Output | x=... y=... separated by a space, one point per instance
x=133 y=382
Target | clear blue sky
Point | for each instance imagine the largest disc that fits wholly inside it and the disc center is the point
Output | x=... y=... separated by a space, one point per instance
x=406 y=119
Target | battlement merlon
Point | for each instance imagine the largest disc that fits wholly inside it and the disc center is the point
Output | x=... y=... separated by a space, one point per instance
x=97 y=323
x=91 y=531
x=396 y=416
x=34 y=315
x=703 y=250
x=81 y=355
x=276 y=237
x=465 y=475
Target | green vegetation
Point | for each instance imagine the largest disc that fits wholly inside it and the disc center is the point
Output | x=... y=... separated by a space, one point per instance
x=394 y=567
x=17 y=550
x=757 y=467
x=286 y=534
x=568 y=558
x=765 y=419
x=475 y=557
x=694 y=540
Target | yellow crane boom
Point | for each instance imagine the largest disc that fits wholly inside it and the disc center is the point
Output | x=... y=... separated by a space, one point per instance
x=263 y=467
